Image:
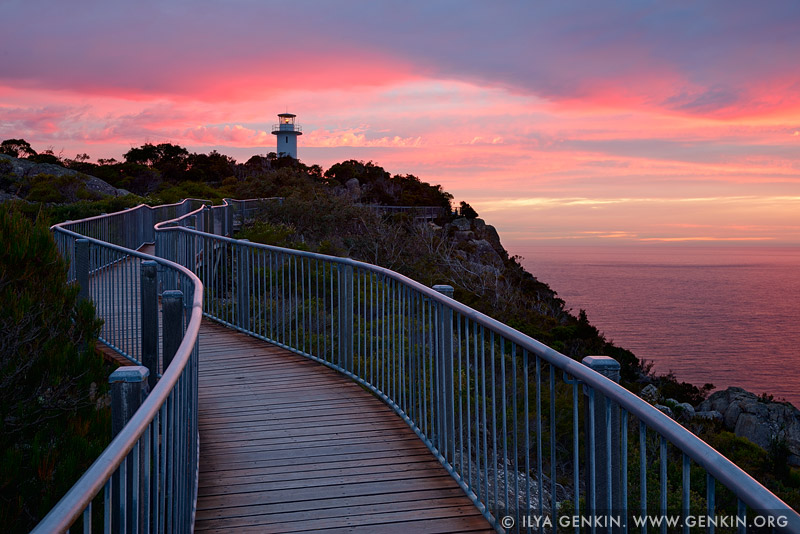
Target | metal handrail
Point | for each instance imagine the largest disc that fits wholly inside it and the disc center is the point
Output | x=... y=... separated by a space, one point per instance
x=169 y=409
x=442 y=366
x=249 y=261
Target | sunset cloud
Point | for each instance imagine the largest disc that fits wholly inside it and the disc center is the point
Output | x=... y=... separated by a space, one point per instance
x=560 y=121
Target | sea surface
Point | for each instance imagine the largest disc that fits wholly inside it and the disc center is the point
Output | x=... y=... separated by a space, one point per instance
x=725 y=315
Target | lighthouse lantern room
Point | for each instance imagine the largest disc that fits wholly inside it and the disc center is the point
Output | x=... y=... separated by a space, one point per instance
x=287 y=131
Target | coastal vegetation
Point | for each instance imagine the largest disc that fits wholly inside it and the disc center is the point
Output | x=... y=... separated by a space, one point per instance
x=54 y=418
x=331 y=212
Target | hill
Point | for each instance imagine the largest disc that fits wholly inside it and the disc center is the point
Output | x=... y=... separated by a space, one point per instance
x=22 y=179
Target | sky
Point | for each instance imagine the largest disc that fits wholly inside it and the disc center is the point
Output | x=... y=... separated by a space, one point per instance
x=559 y=122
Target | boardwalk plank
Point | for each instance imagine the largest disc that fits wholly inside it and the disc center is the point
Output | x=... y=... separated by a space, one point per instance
x=289 y=445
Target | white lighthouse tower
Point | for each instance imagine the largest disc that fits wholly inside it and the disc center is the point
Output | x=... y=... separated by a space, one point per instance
x=287 y=132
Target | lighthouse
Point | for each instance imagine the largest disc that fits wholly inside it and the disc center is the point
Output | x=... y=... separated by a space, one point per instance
x=287 y=132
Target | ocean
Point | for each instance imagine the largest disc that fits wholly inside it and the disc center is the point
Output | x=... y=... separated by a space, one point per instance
x=725 y=315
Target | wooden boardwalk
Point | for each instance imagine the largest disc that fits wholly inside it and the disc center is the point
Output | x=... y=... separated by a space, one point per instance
x=288 y=445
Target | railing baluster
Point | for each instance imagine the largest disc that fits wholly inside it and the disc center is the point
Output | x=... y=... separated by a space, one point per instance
x=710 y=504
x=484 y=417
x=741 y=516
x=591 y=466
x=575 y=451
x=515 y=433
x=504 y=438
x=526 y=415
x=495 y=467
x=87 y=519
x=663 y=479
x=553 y=496
x=624 y=465
x=686 y=480
x=539 y=467
x=643 y=472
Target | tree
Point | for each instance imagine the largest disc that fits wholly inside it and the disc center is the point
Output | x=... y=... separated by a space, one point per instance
x=48 y=156
x=213 y=167
x=365 y=173
x=17 y=148
x=171 y=160
x=467 y=211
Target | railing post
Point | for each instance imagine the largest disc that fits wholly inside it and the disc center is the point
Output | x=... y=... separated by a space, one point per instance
x=345 y=333
x=444 y=366
x=128 y=389
x=149 y=297
x=229 y=220
x=82 y=267
x=190 y=247
x=147 y=217
x=445 y=290
x=243 y=286
x=172 y=324
x=607 y=487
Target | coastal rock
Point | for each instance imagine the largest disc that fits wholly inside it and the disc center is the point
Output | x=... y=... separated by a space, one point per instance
x=22 y=168
x=682 y=410
x=713 y=415
x=462 y=235
x=461 y=224
x=486 y=252
x=731 y=414
x=650 y=394
x=489 y=233
x=720 y=400
x=687 y=409
x=757 y=419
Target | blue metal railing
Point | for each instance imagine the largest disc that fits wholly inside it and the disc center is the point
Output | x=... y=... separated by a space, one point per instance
x=149 y=470
x=417 y=212
x=532 y=436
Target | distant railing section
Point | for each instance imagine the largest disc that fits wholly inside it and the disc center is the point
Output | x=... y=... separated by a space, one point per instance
x=526 y=431
x=418 y=212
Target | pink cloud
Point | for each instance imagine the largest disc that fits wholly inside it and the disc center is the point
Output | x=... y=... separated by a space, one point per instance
x=356 y=137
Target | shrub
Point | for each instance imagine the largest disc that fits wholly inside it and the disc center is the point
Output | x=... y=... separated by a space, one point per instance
x=57 y=189
x=52 y=423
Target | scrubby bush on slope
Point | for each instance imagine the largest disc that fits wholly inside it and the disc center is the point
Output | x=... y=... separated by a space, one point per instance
x=53 y=421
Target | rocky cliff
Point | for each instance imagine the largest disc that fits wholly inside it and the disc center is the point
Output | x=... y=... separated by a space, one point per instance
x=759 y=419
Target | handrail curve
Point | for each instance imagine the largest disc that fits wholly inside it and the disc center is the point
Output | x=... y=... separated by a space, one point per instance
x=252 y=257
x=78 y=499
x=441 y=365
